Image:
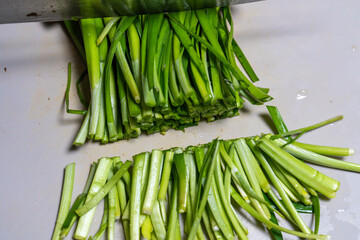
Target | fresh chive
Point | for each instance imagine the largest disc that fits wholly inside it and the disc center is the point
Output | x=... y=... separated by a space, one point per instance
x=325 y=150
x=65 y=201
x=153 y=182
x=316 y=158
x=67 y=92
x=79 y=201
x=104 y=190
x=309 y=128
x=135 y=197
x=100 y=177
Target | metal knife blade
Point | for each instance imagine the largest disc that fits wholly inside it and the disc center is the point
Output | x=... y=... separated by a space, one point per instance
x=17 y=11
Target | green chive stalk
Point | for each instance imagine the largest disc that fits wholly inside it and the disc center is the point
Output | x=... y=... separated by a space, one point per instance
x=104 y=190
x=135 y=197
x=89 y=32
x=307 y=174
x=153 y=181
x=166 y=173
x=316 y=158
x=104 y=222
x=112 y=195
x=80 y=200
x=181 y=164
x=101 y=174
x=65 y=201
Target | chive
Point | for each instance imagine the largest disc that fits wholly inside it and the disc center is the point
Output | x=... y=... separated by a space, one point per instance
x=275 y=181
x=185 y=40
x=155 y=22
x=325 y=150
x=201 y=202
x=110 y=90
x=279 y=205
x=82 y=112
x=241 y=178
x=110 y=22
x=79 y=201
x=135 y=197
x=208 y=228
x=158 y=224
x=181 y=165
x=173 y=216
x=277 y=120
x=317 y=158
x=83 y=132
x=93 y=64
x=124 y=24
x=218 y=211
x=153 y=182
x=258 y=93
x=307 y=174
x=244 y=62
x=226 y=202
x=253 y=213
x=126 y=177
x=112 y=195
x=166 y=172
x=316 y=204
x=245 y=156
x=234 y=156
x=104 y=222
x=309 y=128
x=104 y=190
x=65 y=199
x=276 y=234
x=99 y=180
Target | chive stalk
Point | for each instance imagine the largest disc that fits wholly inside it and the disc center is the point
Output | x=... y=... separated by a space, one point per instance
x=135 y=197
x=100 y=177
x=80 y=200
x=153 y=181
x=65 y=201
x=104 y=190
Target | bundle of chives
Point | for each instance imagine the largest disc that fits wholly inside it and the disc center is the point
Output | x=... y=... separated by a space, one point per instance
x=152 y=73
x=261 y=174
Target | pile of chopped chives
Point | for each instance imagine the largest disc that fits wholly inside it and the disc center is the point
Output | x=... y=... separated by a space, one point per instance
x=152 y=73
x=264 y=175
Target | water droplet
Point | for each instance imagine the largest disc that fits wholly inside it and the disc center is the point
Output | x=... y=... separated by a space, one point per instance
x=301 y=94
x=353 y=48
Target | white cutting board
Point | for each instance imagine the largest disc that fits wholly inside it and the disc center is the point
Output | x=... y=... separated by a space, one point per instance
x=307 y=52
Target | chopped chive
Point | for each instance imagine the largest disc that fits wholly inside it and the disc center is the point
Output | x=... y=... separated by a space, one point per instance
x=65 y=201
x=104 y=190
x=309 y=128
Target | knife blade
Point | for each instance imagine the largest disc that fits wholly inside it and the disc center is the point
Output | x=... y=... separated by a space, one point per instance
x=18 y=11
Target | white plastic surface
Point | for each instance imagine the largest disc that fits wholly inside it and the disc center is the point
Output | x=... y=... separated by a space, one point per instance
x=307 y=52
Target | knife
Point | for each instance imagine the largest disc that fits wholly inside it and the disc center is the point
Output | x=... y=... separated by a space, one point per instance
x=17 y=11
